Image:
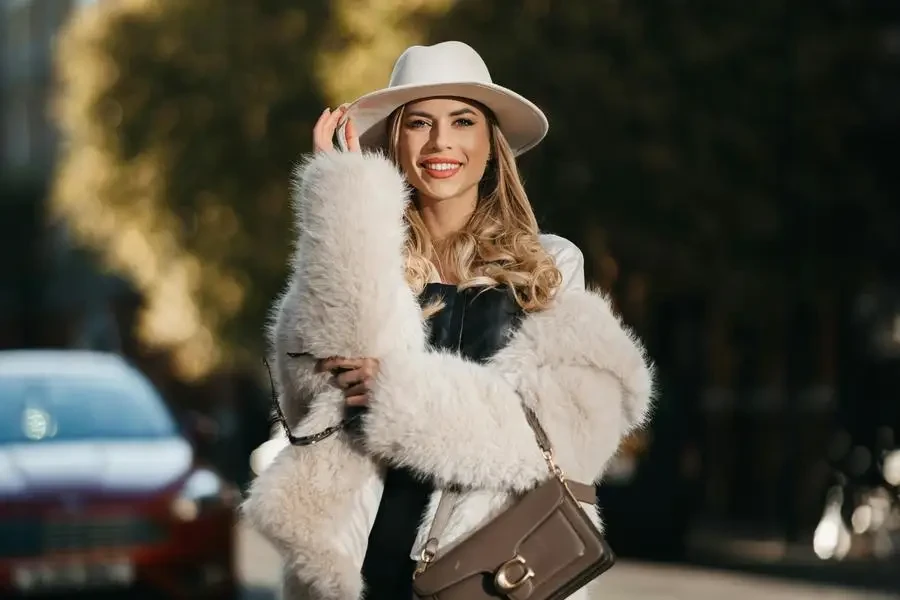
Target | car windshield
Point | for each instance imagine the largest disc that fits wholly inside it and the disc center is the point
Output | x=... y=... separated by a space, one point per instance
x=40 y=408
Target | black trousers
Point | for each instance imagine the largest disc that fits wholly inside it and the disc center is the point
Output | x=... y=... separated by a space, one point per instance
x=387 y=569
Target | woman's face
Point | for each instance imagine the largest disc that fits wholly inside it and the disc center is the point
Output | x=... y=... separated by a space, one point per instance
x=444 y=147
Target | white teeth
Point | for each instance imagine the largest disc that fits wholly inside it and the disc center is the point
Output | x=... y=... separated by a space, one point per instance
x=441 y=166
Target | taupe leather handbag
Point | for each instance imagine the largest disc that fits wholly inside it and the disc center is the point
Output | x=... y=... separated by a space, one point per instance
x=543 y=547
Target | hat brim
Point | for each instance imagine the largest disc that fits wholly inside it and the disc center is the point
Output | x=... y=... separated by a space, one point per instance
x=523 y=124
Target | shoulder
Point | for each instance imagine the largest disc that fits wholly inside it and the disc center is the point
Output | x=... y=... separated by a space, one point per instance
x=568 y=258
x=559 y=247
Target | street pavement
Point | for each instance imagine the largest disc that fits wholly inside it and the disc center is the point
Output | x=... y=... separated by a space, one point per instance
x=259 y=568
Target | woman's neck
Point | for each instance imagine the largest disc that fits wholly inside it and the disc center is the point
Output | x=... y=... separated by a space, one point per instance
x=443 y=218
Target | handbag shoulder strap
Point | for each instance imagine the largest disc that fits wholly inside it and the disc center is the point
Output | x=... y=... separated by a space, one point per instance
x=582 y=491
x=539 y=433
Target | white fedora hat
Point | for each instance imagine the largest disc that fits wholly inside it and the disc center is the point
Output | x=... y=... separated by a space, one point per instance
x=446 y=69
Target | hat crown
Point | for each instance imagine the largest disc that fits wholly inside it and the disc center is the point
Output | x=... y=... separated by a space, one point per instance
x=446 y=62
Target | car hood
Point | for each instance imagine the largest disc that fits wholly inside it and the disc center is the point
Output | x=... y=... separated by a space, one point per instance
x=99 y=466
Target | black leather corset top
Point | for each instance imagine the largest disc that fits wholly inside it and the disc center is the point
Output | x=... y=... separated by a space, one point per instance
x=475 y=322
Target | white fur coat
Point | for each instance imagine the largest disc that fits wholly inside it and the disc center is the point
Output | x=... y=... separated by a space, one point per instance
x=583 y=373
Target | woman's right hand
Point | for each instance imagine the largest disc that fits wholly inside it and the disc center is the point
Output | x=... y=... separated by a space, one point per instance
x=353 y=376
x=323 y=132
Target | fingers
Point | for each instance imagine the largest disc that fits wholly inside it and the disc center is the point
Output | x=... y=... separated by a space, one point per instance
x=342 y=363
x=361 y=400
x=339 y=362
x=321 y=137
x=355 y=386
x=355 y=383
x=353 y=376
x=324 y=365
x=351 y=137
x=360 y=389
x=348 y=379
x=323 y=131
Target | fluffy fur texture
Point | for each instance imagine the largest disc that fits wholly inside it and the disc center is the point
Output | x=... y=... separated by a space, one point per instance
x=575 y=364
x=358 y=201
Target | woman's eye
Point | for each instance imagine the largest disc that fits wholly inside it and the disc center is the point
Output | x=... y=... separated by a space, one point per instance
x=417 y=123
x=464 y=122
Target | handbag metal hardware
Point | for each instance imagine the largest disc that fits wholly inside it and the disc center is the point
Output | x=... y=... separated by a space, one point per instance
x=501 y=577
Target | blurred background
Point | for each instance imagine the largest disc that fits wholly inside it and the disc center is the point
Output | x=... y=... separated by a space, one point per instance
x=724 y=166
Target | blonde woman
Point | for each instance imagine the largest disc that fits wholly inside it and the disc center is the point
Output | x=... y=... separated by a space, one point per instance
x=423 y=309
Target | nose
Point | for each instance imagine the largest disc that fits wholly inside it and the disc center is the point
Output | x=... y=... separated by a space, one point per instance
x=440 y=135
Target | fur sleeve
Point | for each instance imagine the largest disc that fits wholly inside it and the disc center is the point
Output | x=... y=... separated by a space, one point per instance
x=295 y=376
x=582 y=372
x=349 y=225
x=347 y=296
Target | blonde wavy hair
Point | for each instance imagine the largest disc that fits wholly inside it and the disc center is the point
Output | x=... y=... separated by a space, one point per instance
x=499 y=245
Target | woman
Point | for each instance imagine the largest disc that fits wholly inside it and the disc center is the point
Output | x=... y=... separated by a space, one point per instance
x=447 y=310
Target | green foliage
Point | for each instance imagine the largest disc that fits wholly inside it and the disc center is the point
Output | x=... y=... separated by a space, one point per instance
x=183 y=122
x=706 y=146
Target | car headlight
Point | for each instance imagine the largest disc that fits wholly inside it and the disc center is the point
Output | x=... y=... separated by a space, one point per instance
x=201 y=490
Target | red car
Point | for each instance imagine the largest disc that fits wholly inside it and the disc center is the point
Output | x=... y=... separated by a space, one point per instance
x=99 y=490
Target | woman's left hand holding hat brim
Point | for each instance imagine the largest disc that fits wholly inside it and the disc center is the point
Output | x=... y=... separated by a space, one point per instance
x=323 y=132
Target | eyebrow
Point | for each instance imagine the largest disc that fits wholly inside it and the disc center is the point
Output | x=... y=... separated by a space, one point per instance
x=455 y=113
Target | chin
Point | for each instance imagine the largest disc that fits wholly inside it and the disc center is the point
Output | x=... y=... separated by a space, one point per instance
x=443 y=191
x=443 y=195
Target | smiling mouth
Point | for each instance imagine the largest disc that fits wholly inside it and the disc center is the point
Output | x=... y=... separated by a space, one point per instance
x=441 y=170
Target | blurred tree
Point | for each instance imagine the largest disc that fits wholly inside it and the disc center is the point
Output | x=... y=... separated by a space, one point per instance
x=715 y=149
x=366 y=38
x=182 y=121
x=698 y=142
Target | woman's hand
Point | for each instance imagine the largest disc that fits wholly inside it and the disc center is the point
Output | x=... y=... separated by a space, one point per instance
x=323 y=132
x=353 y=376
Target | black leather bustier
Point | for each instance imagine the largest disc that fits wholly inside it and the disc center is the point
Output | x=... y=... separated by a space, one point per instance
x=475 y=323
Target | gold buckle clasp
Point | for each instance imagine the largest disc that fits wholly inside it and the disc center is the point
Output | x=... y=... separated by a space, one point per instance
x=501 y=578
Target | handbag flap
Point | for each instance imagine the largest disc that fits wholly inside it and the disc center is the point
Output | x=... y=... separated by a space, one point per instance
x=496 y=542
